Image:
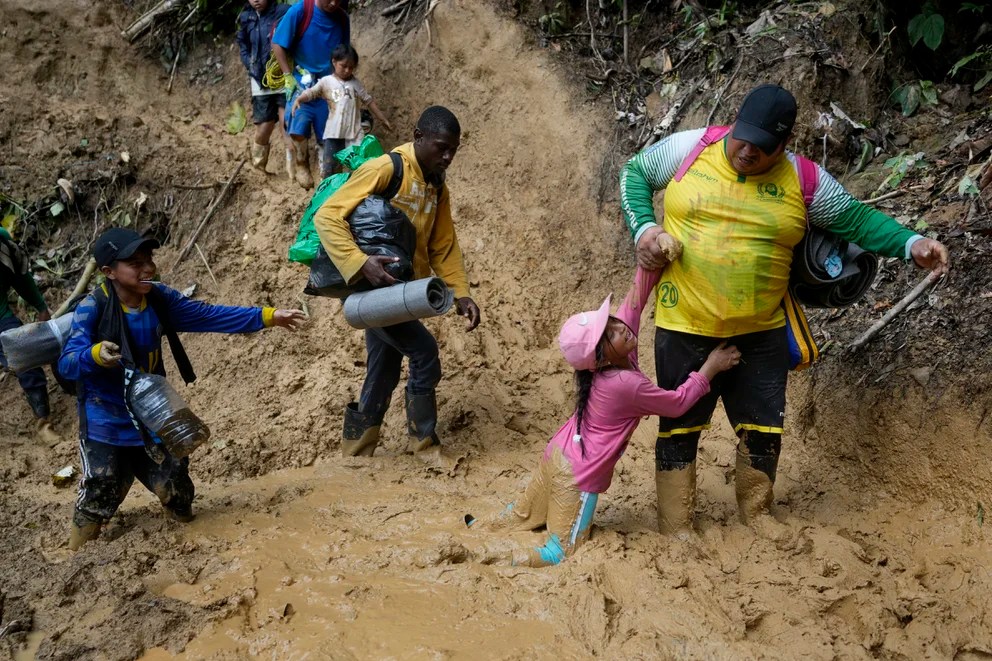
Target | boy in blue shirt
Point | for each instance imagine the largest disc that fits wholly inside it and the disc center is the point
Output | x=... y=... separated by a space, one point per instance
x=120 y=324
x=310 y=51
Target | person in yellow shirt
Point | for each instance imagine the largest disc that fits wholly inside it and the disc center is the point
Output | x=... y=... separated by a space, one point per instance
x=423 y=197
x=740 y=212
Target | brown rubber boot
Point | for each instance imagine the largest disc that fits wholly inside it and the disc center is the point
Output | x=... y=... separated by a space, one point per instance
x=79 y=535
x=301 y=156
x=676 y=490
x=259 y=156
x=754 y=499
x=361 y=435
x=290 y=161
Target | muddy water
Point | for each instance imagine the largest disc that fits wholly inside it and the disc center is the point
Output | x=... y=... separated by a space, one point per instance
x=338 y=572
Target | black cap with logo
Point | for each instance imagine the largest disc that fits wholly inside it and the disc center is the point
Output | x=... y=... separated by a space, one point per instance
x=119 y=243
x=766 y=117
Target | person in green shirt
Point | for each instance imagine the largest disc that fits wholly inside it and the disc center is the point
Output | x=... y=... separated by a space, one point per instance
x=14 y=273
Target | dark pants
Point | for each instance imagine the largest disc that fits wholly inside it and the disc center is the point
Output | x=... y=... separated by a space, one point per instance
x=32 y=381
x=330 y=164
x=110 y=470
x=386 y=348
x=753 y=394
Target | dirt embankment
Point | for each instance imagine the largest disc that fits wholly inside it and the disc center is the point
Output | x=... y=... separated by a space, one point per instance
x=296 y=551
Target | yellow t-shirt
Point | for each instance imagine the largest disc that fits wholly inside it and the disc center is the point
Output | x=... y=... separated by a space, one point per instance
x=738 y=235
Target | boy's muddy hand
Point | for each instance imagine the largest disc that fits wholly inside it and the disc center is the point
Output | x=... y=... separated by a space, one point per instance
x=374 y=270
x=289 y=319
x=720 y=359
x=468 y=309
x=110 y=354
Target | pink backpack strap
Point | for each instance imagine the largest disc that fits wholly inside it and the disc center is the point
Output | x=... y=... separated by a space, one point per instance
x=711 y=135
x=809 y=175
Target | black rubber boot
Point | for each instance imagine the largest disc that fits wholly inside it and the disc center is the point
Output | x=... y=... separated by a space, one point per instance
x=361 y=433
x=421 y=420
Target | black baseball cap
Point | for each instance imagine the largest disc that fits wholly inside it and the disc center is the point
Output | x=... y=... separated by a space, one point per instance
x=119 y=243
x=766 y=117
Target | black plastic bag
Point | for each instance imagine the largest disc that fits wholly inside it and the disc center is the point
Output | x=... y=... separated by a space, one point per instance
x=379 y=228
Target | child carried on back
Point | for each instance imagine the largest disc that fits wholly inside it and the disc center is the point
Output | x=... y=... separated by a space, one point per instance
x=612 y=395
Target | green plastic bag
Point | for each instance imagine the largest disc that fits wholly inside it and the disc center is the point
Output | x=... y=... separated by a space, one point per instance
x=352 y=157
x=307 y=241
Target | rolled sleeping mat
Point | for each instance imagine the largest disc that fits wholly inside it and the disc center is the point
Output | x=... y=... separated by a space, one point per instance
x=406 y=301
x=37 y=344
x=829 y=272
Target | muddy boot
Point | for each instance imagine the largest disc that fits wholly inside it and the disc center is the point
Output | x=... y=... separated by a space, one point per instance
x=259 y=156
x=79 y=535
x=46 y=434
x=301 y=156
x=184 y=515
x=361 y=434
x=290 y=163
x=676 y=490
x=421 y=417
x=754 y=477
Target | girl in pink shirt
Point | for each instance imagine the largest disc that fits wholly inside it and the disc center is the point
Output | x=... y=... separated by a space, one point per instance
x=612 y=395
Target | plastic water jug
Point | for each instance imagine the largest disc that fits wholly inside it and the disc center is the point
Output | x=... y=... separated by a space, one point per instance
x=37 y=344
x=160 y=408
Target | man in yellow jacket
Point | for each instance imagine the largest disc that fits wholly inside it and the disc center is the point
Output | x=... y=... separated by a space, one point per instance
x=423 y=197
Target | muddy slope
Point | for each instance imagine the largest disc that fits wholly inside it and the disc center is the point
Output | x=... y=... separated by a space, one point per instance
x=298 y=552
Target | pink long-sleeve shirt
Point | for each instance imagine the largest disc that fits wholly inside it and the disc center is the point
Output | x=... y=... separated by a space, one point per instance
x=617 y=402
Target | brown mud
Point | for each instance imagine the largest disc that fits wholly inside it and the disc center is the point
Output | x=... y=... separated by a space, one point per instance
x=298 y=553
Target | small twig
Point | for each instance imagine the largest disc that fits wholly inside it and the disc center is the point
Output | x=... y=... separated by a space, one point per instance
x=716 y=103
x=198 y=186
x=896 y=309
x=427 y=19
x=175 y=63
x=205 y=263
x=392 y=9
x=626 y=61
x=875 y=52
x=886 y=196
x=592 y=33
x=210 y=212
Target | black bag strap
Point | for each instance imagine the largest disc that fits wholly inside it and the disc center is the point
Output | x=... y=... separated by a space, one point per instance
x=175 y=345
x=108 y=307
x=393 y=187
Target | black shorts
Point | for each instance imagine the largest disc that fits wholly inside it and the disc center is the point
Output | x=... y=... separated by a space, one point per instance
x=266 y=108
x=753 y=392
x=110 y=470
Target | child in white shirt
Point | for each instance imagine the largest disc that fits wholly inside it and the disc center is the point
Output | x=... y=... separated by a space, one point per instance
x=342 y=91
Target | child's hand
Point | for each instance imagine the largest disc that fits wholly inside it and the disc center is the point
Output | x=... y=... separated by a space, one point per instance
x=289 y=319
x=109 y=354
x=720 y=359
x=388 y=125
x=296 y=106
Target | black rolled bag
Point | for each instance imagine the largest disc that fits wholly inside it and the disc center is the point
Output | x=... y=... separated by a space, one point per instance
x=379 y=228
x=830 y=272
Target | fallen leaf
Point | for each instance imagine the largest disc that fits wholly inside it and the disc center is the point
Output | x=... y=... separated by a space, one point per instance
x=126 y=157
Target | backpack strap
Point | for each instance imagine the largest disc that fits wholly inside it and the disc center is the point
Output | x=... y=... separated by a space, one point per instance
x=711 y=135
x=158 y=304
x=809 y=176
x=302 y=26
x=393 y=187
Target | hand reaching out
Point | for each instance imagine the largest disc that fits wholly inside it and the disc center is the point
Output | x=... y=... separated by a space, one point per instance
x=291 y=320
x=720 y=359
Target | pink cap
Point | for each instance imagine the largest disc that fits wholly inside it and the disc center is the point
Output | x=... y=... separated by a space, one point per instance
x=580 y=335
